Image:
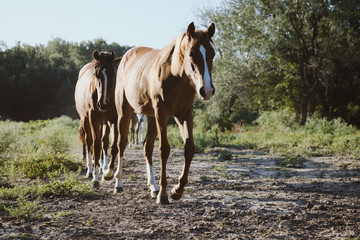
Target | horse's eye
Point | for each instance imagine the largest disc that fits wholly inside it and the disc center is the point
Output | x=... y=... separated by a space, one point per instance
x=193 y=67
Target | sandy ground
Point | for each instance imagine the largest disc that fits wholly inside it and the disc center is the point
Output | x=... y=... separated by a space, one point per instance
x=249 y=196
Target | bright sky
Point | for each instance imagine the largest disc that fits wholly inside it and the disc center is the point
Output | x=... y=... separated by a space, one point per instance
x=151 y=23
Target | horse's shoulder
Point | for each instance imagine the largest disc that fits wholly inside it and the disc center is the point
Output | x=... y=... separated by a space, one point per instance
x=85 y=69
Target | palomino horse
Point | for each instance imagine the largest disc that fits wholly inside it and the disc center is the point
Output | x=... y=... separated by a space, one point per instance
x=94 y=99
x=161 y=83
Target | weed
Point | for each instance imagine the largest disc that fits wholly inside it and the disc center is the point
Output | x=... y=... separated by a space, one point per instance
x=343 y=166
x=225 y=155
x=292 y=162
x=89 y=223
x=58 y=218
x=204 y=178
x=26 y=210
x=133 y=177
x=270 y=195
x=24 y=236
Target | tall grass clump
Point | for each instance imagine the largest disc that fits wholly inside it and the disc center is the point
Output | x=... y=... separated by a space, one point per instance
x=37 y=149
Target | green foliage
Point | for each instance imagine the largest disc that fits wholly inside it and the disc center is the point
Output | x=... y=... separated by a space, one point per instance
x=27 y=210
x=40 y=166
x=38 y=82
x=69 y=186
x=225 y=155
x=281 y=54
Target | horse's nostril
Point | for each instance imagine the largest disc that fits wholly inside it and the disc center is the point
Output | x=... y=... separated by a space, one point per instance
x=202 y=92
x=213 y=92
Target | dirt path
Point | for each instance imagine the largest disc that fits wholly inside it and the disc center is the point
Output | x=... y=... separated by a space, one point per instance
x=246 y=197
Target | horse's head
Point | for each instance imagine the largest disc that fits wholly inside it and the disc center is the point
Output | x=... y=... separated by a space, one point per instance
x=198 y=59
x=105 y=73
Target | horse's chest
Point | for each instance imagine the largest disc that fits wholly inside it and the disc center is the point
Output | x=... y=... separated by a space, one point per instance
x=179 y=98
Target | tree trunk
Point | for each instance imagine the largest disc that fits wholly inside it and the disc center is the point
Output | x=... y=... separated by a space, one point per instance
x=303 y=112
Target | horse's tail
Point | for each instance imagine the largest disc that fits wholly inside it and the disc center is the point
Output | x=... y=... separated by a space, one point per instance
x=82 y=134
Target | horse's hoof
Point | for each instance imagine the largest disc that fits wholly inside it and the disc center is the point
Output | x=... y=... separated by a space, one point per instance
x=107 y=178
x=154 y=194
x=174 y=195
x=118 y=190
x=89 y=176
x=96 y=184
x=162 y=200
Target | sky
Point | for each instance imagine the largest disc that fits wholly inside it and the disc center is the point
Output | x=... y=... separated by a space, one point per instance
x=151 y=23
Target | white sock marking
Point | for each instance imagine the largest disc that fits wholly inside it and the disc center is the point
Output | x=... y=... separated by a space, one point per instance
x=151 y=178
x=96 y=175
x=119 y=173
x=89 y=163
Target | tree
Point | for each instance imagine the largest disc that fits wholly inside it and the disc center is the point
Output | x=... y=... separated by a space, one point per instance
x=38 y=82
x=284 y=53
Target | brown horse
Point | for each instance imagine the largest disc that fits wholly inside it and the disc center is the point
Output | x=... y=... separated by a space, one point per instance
x=94 y=99
x=161 y=83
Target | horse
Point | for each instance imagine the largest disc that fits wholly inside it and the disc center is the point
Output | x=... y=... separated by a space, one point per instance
x=140 y=125
x=160 y=83
x=133 y=123
x=94 y=101
x=137 y=122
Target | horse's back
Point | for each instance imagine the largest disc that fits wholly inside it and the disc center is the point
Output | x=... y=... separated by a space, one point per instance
x=133 y=78
x=82 y=89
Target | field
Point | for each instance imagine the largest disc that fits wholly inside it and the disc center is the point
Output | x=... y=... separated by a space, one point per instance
x=243 y=188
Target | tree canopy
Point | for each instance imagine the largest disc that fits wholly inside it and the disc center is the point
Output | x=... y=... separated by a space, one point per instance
x=38 y=82
x=302 y=55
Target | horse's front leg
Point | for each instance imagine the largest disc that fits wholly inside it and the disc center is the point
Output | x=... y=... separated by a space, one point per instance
x=161 y=117
x=95 y=125
x=148 y=151
x=186 y=127
x=104 y=147
x=89 y=144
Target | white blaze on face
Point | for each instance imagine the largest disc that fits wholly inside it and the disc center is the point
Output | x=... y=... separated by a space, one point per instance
x=105 y=85
x=207 y=79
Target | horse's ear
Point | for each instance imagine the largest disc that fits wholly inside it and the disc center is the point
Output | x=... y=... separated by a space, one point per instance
x=191 y=29
x=112 y=54
x=117 y=61
x=96 y=55
x=211 y=30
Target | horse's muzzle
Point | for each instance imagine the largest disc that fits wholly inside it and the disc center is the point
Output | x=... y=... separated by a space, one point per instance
x=208 y=93
x=103 y=106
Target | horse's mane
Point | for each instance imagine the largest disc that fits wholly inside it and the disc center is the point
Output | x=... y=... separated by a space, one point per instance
x=172 y=52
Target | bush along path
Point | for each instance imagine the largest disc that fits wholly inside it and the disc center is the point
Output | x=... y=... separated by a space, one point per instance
x=232 y=194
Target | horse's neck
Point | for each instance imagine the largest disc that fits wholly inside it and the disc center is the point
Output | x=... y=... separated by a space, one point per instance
x=177 y=58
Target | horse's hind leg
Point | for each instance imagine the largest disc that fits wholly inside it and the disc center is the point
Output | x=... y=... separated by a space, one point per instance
x=185 y=127
x=148 y=150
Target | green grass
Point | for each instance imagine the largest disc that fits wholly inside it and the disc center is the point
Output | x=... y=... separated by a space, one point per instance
x=38 y=161
x=278 y=133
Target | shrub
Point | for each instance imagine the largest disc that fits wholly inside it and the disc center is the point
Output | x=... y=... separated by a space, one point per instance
x=26 y=210
x=40 y=166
